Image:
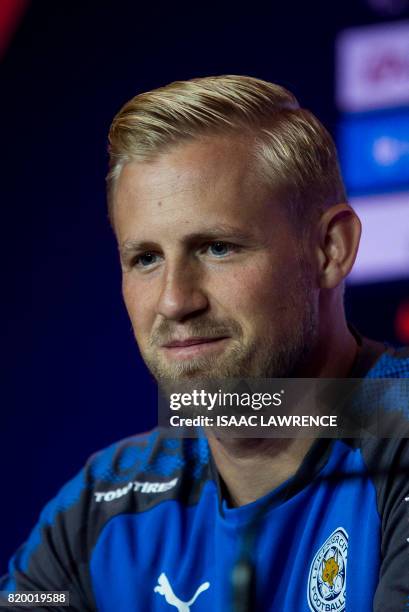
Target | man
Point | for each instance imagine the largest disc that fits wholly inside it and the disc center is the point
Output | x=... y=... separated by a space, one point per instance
x=235 y=237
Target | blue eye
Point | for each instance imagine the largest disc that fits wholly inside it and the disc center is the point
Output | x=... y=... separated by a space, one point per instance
x=145 y=259
x=220 y=249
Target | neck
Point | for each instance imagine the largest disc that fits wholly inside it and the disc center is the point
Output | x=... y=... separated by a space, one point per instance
x=250 y=468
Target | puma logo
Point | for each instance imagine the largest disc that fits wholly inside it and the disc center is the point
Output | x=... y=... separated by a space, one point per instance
x=163 y=588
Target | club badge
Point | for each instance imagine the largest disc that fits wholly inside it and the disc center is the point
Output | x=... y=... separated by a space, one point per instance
x=327 y=577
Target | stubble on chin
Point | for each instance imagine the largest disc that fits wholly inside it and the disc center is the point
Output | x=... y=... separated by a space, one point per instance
x=203 y=368
x=272 y=358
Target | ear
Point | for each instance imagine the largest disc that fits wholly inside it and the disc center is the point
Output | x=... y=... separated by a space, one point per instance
x=339 y=231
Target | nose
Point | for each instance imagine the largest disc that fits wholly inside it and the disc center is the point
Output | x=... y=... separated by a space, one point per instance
x=181 y=295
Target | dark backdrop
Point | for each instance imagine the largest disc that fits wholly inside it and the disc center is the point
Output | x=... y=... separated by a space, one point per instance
x=73 y=380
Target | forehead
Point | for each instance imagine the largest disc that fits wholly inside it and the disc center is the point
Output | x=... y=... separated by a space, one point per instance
x=195 y=184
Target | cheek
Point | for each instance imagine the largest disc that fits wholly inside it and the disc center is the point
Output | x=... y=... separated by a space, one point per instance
x=257 y=295
x=138 y=304
x=245 y=291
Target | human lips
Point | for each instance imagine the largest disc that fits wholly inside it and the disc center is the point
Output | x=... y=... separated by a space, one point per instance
x=194 y=346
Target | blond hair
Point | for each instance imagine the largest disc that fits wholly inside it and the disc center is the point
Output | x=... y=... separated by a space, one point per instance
x=293 y=151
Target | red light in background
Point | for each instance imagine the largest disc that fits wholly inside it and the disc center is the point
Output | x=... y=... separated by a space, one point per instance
x=402 y=322
x=11 y=12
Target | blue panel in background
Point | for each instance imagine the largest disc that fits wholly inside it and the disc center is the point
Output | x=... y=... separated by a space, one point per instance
x=374 y=152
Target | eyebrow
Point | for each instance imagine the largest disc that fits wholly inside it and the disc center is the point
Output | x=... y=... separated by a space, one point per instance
x=221 y=232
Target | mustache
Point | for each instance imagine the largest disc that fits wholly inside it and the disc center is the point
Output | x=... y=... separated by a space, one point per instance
x=167 y=331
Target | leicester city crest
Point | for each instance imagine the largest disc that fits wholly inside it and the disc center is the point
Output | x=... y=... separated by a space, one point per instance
x=327 y=578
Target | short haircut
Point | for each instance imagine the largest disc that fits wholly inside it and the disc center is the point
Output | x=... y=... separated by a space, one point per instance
x=292 y=150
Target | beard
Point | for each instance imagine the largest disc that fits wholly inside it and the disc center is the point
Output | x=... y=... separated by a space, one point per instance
x=280 y=352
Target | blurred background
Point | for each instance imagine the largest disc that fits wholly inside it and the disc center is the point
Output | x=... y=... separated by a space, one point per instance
x=73 y=380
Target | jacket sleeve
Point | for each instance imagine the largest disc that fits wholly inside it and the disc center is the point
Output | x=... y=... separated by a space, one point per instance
x=391 y=463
